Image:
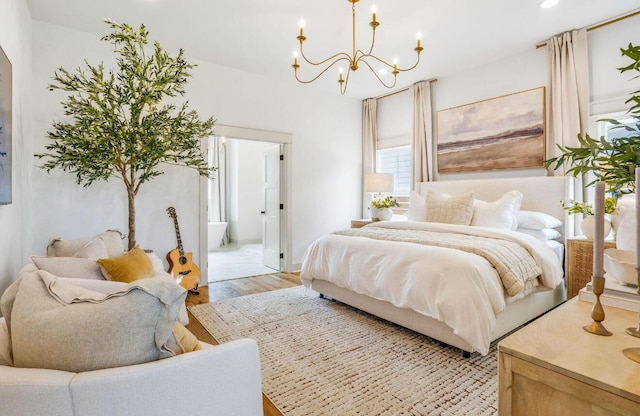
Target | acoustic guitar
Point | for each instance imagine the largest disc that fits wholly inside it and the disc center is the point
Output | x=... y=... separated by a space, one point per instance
x=181 y=265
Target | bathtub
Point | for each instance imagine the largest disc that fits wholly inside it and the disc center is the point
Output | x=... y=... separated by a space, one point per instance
x=216 y=232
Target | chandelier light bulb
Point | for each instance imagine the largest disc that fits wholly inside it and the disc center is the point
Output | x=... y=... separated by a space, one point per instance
x=374 y=9
x=545 y=4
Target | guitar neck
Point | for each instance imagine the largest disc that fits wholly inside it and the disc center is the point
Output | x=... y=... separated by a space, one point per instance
x=175 y=225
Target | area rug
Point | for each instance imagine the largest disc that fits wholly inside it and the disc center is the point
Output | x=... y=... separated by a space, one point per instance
x=321 y=357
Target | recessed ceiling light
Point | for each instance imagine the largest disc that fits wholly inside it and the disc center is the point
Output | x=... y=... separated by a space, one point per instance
x=545 y=4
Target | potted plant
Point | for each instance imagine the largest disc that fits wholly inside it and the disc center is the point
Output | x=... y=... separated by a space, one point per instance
x=612 y=161
x=381 y=208
x=121 y=122
x=588 y=223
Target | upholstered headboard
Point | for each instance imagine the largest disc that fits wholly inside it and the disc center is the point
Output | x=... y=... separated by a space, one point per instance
x=541 y=193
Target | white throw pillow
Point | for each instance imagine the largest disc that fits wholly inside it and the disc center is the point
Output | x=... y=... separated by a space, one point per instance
x=79 y=268
x=543 y=234
x=500 y=213
x=59 y=247
x=417 y=207
x=535 y=220
x=94 y=249
x=450 y=209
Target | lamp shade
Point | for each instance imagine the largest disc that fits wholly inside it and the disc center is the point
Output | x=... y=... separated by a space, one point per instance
x=379 y=182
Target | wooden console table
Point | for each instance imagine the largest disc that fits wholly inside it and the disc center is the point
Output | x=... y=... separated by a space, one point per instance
x=554 y=367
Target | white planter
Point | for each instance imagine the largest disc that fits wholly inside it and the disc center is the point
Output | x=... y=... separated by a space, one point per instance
x=626 y=223
x=626 y=204
x=381 y=214
x=588 y=224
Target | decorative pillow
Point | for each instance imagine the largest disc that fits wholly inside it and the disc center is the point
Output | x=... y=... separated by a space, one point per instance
x=535 y=220
x=417 y=207
x=128 y=267
x=75 y=267
x=543 y=234
x=450 y=209
x=185 y=339
x=500 y=213
x=5 y=345
x=61 y=326
x=94 y=249
x=58 y=247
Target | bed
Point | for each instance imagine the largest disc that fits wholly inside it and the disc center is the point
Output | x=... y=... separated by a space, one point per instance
x=459 y=288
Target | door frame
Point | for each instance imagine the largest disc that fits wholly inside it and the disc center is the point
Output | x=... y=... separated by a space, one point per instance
x=285 y=192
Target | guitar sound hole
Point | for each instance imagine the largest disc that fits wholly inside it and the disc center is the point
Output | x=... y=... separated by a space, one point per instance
x=182 y=260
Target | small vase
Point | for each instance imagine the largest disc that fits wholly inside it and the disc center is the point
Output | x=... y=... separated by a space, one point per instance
x=626 y=204
x=626 y=235
x=588 y=223
x=385 y=214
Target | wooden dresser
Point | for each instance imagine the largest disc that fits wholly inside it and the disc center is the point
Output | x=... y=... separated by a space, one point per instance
x=554 y=367
x=580 y=263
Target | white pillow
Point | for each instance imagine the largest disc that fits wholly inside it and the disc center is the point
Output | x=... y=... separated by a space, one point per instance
x=59 y=247
x=542 y=235
x=417 y=207
x=450 y=209
x=94 y=249
x=79 y=268
x=500 y=213
x=535 y=220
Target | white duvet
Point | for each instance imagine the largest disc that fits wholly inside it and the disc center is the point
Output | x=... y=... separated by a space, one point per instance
x=460 y=289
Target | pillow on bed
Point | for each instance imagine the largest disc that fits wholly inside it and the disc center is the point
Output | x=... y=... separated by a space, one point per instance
x=543 y=234
x=450 y=209
x=500 y=213
x=417 y=207
x=535 y=220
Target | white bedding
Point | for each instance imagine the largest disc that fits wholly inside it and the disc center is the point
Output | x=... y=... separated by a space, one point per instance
x=460 y=289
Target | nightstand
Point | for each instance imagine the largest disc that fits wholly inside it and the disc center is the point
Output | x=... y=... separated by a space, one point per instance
x=360 y=223
x=579 y=268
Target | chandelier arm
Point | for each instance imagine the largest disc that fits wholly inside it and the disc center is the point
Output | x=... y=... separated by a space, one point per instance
x=346 y=56
x=377 y=76
x=387 y=63
x=373 y=41
x=343 y=86
x=323 y=71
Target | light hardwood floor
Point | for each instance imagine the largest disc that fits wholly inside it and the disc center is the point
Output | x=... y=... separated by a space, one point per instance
x=233 y=288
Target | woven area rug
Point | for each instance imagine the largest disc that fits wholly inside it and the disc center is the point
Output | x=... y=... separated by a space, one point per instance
x=321 y=357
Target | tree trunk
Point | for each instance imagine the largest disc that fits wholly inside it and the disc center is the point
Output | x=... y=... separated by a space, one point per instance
x=132 y=218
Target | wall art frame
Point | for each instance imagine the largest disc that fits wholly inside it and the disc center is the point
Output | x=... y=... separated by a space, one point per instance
x=505 y=132
x=6 y=138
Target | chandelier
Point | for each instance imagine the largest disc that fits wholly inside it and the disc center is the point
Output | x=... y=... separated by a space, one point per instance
x=356 y=57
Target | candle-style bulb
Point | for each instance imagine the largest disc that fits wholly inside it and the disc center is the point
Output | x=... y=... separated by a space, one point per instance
x=373 y=12
x=301 y=27
x=418 y=37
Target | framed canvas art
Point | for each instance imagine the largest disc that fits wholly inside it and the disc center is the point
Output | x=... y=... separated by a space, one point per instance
x=506 y=132
x=5 y=129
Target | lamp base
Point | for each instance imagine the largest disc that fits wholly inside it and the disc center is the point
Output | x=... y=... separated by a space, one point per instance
x=634 y=332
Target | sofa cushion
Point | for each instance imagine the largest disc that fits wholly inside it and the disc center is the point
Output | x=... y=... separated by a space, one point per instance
x=56 y=325
x=59 y=247
x=94 y=249
x=128 y=267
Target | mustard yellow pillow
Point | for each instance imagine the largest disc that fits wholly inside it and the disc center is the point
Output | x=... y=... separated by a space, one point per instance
x=128 y=267
x=185 y=339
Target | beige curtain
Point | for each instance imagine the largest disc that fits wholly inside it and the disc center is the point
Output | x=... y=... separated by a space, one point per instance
x=568 y=91
x=369 y=140
x=422 y=143
x=569 y=98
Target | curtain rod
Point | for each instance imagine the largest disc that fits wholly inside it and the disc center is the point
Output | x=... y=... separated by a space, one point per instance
x=380 y=97
x=602 y=24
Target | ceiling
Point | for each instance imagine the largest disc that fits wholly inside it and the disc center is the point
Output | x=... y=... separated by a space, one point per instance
x=259 y=36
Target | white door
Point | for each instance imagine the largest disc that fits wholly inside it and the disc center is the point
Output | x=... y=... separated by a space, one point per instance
x=272 y=208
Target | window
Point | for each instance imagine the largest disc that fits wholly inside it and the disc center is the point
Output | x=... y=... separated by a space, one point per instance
x=396 y=160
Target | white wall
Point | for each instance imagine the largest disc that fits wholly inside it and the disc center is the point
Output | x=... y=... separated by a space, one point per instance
x=15 y=40
x=325 y=151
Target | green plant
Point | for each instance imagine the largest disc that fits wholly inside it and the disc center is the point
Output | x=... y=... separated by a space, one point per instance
x=573 y=207
x=386 y=202
x=121 y=123
x=613 y=162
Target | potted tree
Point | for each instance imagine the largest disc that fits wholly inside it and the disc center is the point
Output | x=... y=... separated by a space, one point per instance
x=121 y=123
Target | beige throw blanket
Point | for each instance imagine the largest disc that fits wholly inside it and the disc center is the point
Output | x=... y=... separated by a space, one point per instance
x=515 y=266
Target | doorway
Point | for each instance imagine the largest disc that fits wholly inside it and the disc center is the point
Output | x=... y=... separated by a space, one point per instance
x=244 y=209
